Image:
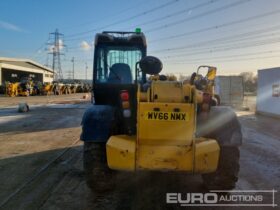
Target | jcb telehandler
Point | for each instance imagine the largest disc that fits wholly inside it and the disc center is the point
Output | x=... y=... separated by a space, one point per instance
x=135 y=124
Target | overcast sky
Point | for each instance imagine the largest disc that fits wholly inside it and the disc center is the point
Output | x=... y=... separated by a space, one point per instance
x=234 y=35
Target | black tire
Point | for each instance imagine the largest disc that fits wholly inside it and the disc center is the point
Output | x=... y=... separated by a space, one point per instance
x=227 y=172
x=99 y=177
x=222 y=124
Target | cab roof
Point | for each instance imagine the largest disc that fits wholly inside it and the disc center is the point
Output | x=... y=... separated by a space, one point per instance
x=118 y=37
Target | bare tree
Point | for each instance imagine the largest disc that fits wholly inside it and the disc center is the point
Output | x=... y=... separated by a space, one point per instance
x=250 y=81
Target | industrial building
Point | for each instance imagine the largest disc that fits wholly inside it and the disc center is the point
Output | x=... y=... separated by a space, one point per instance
x=268 y=96
x=13 y=70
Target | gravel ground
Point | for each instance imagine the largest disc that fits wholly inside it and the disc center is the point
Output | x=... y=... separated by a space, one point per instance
x=29 y=141
x=42 y=100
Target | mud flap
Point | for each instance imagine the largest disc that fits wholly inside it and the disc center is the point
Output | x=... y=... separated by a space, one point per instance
x=96 y=123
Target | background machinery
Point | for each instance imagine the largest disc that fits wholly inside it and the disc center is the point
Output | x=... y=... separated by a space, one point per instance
x=156 y=125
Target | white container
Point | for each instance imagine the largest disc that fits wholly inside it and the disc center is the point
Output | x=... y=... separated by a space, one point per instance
x=268 y=95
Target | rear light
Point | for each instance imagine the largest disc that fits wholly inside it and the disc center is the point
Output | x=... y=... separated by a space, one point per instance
x=124 y=95
x=125 y=103
x=127 y=113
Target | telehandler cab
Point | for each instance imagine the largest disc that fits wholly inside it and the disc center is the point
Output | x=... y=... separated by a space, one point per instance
x=157 y=125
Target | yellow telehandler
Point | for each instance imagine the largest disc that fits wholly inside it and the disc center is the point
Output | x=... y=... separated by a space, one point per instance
x=160 y=125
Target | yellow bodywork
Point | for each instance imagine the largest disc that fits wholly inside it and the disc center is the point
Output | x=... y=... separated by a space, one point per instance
x=12 y=89
x=165 y=140
x=123 y=155
x=22 y=92
x=121 y=152
x=211 y=74
x=165 y=127
x=47 y=89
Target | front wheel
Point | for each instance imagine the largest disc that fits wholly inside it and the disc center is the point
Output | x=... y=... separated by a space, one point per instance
x=99 y=177
x=226 y=175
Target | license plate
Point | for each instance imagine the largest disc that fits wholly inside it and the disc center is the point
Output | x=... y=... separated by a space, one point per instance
x=166 y=116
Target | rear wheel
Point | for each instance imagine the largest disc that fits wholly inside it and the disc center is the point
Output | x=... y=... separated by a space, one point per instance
x=99 y=177
x=227 y=172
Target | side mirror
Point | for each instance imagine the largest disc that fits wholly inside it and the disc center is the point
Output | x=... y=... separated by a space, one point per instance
x=150 y=65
